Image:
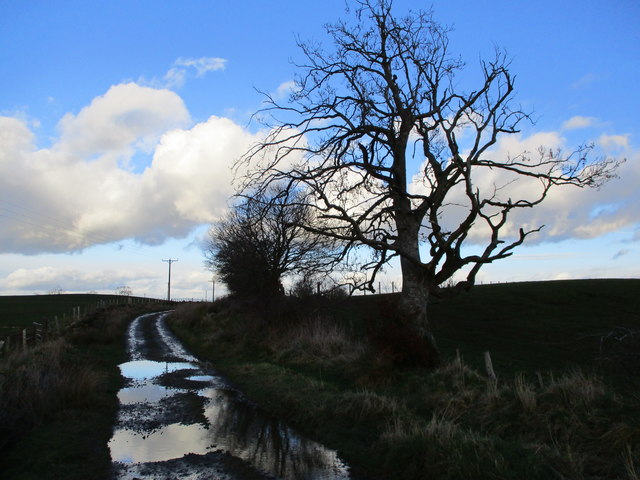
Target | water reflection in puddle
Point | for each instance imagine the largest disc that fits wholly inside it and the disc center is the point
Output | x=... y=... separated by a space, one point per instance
x=145 y=369
x=172 y=409
x=146 y=393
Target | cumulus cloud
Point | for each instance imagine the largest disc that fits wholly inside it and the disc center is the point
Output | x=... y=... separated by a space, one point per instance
x=127 y=116
x=578 y=121
x=614 y=142
x=81 y=191
x=567 y=212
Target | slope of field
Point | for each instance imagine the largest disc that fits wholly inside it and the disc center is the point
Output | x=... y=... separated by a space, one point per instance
x=536 y=325
x=527 y=326
x=564 y=405
x=22 y=310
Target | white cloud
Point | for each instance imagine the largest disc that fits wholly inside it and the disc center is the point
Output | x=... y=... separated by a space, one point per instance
x=578 y=121
x=69 y=279
x=614 y=142
x=285 y=89
x=203 y=64
x=585 y=81
x=567 y=212
x=81 y=191
x=127 y=116
x=177 y=74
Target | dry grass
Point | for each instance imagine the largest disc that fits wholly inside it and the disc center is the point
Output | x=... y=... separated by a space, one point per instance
x=576 y=389
x=525 y=393
x=568 y=421
x=36 y=383
x=315 y=340
x=631 y=462
x=368 y=406
x=452 y=422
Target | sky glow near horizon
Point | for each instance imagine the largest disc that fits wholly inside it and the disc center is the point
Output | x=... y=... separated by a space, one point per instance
x=119 y=122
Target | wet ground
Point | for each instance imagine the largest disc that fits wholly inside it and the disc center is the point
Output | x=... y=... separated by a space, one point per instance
x=178 y=419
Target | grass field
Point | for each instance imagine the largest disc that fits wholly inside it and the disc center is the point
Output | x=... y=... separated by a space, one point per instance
x=58 y=400
x=557 y=410
x=20 y=311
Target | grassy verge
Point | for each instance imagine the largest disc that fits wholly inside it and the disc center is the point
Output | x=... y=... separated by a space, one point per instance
x=556 y=410
x=58 y=400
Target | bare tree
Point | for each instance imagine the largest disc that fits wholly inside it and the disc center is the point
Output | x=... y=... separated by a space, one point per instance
x=124 y=290
x=261 y=240
x=392 y=151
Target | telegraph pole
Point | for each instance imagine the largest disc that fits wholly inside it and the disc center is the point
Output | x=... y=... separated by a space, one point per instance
x=213 y=288
x=170 y=261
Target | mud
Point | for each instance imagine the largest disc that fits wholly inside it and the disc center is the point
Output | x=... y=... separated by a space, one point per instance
x=179 y=419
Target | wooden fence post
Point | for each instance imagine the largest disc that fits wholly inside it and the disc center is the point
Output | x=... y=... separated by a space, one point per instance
x=24 y=338
x=489 y=366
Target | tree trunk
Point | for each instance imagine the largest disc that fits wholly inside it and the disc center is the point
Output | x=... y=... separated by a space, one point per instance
x=413 y=306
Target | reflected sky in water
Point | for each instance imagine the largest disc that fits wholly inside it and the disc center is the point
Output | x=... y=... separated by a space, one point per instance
x=171 y=409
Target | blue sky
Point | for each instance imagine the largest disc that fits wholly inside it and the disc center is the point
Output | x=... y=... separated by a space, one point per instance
x=119 y=121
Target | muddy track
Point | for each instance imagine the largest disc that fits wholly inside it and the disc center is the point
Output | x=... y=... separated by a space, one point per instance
x=179 y=419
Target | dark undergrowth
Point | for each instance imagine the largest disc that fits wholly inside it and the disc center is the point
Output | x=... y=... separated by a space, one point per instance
x=58 y=400
x=565 y=404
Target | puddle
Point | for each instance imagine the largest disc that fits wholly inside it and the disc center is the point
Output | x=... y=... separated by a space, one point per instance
x=178 y=419
x=145 y=369
x=202 y=378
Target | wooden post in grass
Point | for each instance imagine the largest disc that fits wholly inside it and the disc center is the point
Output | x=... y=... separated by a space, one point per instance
x=489 y=366
x=37 y=333
x=24 y=338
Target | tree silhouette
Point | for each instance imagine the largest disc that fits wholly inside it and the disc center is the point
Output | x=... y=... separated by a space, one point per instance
x=261 y=240
x=391 y=151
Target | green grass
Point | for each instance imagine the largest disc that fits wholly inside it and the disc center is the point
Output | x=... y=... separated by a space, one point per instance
x=20 y=311
x=556 y=410
x=534 y=326
x=58 y=401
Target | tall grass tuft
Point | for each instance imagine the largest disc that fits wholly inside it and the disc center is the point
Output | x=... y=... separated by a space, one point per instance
x=525 y=393
x=316 y=340
x=576 y=389
x=568 y=422
x=36 y=383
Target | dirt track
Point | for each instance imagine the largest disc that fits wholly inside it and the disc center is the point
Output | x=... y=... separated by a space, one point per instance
x=180 y=420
